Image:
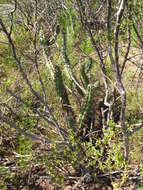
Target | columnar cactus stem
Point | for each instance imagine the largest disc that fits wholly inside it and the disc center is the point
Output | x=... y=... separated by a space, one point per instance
x=46 y=52
x=87 y=106
x=80 y=89
x=61 y=91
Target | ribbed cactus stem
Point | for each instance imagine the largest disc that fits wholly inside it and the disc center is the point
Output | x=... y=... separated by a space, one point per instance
x=61 y=91
x=87 y=106
x=84 y=76
x=71 y=76
x=46 y=52
x=60 y=88
x=88 y=65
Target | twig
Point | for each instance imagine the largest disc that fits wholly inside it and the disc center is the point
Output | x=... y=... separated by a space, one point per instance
x=118 y=76
x=27 y=80
x=80 y=181
x=127 y=50
x=67 y=62
x=35 y=50
x=139 y=126
x=33 y=137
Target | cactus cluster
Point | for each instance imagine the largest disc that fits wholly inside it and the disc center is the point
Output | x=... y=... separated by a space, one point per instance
x=87 y=107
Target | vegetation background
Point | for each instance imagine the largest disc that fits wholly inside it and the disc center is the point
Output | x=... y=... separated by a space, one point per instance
x=71 y=96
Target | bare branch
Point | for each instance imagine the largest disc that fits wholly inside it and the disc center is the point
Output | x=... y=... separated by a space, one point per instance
x=138 y=127
x=67 y=63
x=128 y=46
x=33 y=137
x=26 y=78
x=41 y=114
x=35 y=50
x=118 y=76
x=138 y=35
x=11 y=16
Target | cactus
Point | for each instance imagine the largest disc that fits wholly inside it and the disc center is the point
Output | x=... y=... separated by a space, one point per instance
x=85 y=69
x=88 y=66
x=87 y=106
x=60 y=88
x=46 y=43
x=84 y=76
x=67 y=65
x=61 y=91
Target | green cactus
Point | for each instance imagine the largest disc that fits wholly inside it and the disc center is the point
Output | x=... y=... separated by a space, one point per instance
x=84 y=71
x=84 y=76
x=87 y=106
x=60 y=88
x=70 y=120
x=67 y=65
x=88 y=66
x=45 y=43
x=61 y=91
